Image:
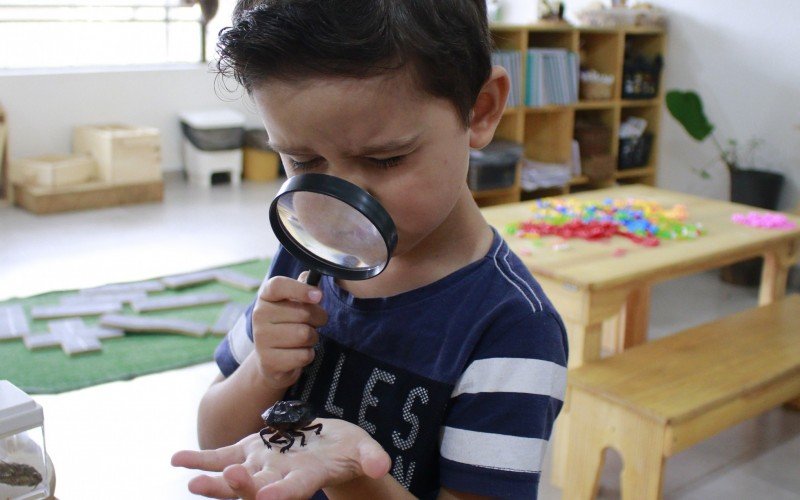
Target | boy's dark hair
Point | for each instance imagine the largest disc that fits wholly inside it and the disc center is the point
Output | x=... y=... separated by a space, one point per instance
x=446 y=43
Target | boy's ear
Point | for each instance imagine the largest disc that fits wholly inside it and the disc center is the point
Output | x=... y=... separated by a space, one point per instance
x=488 y=108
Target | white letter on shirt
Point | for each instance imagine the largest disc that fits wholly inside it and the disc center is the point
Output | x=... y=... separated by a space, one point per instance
x=332 y=408
x=369 y=400
x=408 y=442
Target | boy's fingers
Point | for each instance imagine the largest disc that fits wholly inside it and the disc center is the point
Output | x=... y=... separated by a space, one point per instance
x=240 y=481
x=374 y=460
x=299 y=483
x=210 y=460
x=284 y=360
x=212 y=487
x=280 y=288
x=291 y=335
x=289 y=312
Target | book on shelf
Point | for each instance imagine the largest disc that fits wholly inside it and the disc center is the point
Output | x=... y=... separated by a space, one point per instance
x=511 y=60
x=551 y=77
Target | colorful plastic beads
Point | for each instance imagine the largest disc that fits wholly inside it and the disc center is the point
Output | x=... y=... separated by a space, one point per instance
x=766 y=220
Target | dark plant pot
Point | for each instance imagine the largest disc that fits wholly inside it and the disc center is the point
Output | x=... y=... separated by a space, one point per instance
x=757 y=188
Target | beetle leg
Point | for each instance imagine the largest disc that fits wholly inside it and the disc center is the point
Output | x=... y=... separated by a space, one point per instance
x=316 y=428
x=289 y=438
x=277 y=438
x=266 y=430
x=299 y=434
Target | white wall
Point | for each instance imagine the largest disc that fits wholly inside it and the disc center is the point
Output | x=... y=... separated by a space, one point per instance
x=741 y=59
x=42 y=108
x=741 y=56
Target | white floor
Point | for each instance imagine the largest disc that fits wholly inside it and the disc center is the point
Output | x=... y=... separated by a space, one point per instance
x=115 y=440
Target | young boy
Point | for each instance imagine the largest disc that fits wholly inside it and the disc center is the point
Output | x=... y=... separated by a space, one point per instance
x=449 y=368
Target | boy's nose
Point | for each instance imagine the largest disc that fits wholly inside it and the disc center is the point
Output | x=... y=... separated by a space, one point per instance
x=353 y=175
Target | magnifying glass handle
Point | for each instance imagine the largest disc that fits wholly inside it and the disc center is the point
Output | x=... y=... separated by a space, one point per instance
x=313 y=277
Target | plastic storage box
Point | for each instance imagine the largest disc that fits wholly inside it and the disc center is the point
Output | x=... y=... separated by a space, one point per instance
x=495 y=166
x=24 y=469
x=213 y=130
x=212 y=144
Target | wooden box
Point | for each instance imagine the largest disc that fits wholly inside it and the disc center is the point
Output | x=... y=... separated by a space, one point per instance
x=56 y=170
x=41 y=200
x=124 y=154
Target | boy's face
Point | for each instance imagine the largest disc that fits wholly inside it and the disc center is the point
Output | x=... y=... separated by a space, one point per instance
x=408 y=149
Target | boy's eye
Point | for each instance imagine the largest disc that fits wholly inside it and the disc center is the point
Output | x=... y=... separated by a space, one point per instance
x=388 y=162
x=303 y=165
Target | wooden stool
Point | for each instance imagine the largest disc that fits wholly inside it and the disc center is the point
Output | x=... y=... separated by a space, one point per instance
x=660 y=398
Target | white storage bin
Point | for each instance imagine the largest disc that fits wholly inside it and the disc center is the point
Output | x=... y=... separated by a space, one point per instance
x=201 y=165
x=212 y=144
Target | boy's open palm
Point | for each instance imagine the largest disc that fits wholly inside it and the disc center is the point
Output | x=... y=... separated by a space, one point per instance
x=341 y=453
x=285 y=318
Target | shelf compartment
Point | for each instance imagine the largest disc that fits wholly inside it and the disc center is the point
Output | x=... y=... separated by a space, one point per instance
x=636 y=172
x=548 y=136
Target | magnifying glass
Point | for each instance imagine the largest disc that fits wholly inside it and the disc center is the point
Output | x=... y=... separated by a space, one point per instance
x=333 y=227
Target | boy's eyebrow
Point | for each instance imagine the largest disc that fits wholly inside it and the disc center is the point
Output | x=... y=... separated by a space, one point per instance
x=392 y=145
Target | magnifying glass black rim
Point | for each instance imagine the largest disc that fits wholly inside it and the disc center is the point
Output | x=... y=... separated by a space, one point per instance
x=345 y=192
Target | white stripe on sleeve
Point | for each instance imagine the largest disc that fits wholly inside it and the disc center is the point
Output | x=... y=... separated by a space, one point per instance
x=495 y=451
x=239 y=342
x=527 y=376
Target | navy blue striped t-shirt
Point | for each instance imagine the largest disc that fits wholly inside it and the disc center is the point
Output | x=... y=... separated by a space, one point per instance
x=460 y=380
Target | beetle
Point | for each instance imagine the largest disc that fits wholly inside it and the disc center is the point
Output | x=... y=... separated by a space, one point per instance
x=286 y=420
x=19 y=474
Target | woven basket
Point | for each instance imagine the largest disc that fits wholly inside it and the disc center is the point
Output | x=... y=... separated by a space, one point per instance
x=596 y=91
x=599 y=168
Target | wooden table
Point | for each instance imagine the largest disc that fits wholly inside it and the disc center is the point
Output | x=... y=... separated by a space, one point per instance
x=591 y=284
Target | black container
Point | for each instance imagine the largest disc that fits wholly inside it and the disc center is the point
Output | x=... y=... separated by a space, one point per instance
x=257 y=138
x=635 y=152
x=640 y=77
x=214 y=139
x=495 y=166
x=757 y=188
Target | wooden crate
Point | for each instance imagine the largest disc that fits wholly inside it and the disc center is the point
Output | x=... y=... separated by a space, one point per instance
x=56 y=170
x=124 y=154
x=260 y=165
x=85 y=196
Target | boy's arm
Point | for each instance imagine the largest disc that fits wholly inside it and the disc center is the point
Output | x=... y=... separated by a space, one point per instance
x=282 y=324
x=231 y=407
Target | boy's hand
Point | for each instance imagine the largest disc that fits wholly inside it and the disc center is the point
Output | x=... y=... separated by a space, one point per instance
x=285 y=318
x=341 y=453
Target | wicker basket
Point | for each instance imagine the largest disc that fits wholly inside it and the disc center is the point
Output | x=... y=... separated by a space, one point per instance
x=595 y=91
x=599 y=168
x=594 y=138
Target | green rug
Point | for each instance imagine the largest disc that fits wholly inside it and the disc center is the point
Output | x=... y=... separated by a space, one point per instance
x=50 y=371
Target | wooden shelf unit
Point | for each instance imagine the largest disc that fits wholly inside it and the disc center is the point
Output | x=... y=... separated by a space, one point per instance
x=547 y=132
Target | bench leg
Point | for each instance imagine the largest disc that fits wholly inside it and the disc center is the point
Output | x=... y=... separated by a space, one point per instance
x=642 y=448
x=584 y=345
x=585 y=455
x=597 y=424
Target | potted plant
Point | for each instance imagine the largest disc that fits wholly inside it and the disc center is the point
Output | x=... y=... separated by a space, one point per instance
x=759 y=188
x=750 y=186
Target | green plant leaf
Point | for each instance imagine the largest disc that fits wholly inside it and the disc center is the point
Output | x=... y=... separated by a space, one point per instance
x=687 y=108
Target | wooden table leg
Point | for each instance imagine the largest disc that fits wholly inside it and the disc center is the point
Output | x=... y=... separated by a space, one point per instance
x=583 y=312
x=584 y=345
x=637 y=317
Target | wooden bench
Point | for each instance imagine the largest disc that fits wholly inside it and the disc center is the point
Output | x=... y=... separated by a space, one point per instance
x=657 y=399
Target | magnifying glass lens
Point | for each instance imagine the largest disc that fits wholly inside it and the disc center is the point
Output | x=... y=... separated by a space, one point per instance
x=332 y=230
